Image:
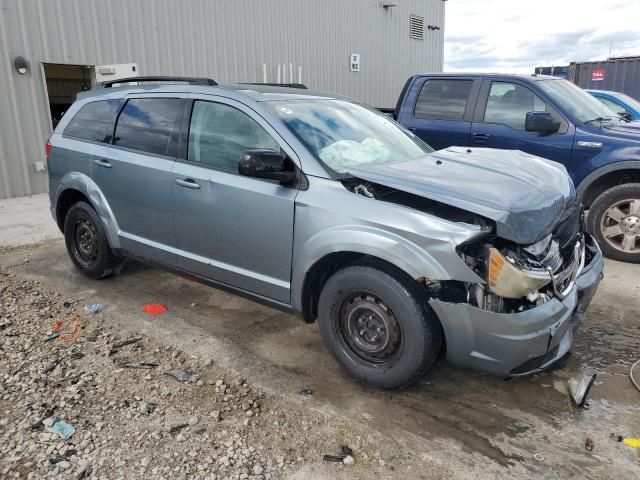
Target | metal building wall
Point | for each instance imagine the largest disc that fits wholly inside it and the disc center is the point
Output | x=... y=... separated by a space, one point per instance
x=228 y=40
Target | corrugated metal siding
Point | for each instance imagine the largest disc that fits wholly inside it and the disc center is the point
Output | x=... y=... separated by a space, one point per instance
x=228 y=40
x=620 y=75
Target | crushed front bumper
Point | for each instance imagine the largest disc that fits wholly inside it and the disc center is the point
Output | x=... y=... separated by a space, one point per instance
x=519 y=343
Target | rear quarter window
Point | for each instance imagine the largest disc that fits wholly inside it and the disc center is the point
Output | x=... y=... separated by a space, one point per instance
x=94 y=121
x=149 y=125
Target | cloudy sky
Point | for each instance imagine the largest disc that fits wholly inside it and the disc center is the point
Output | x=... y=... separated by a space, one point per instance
x=517 y=35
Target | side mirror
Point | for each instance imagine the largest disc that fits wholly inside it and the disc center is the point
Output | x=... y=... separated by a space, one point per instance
x=541 y=122
x=267 y=164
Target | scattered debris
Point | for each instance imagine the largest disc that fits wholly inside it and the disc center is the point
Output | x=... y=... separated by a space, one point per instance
x=68 y=329
x=178 y=428
x=94 y=308
x=143 y=365
x=588 y=444
x=76 y=355
x=119 y=345
x=346 y=451
x=183 y=375
x=52 y=366
x=332 y=458
x=306 y=391
x=63 y=429
x=5 y=325
x=154 y=308
x=616 y=437
x=579 y=387
x=632 y=442
x=348 y=460
x=539 y=457
x=53 y=336
x=70 y=304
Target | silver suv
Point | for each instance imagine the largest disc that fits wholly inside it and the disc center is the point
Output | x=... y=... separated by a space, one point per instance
x=327 y=208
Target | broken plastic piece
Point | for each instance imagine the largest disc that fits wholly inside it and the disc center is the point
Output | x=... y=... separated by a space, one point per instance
x=632 y=442
x=154 y=308
x=183 y=375
x=145 y=365
x=63 y=429
x=579 y=387
x=53 y=336
x=306 y=391
x=69 y=304
x=68 y=329
x=93 y=308
x=588 y=444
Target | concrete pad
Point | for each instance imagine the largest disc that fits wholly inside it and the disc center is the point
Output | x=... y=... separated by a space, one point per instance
x=26 y=220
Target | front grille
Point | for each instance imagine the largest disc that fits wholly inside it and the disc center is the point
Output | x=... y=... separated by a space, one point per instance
x=567 y=233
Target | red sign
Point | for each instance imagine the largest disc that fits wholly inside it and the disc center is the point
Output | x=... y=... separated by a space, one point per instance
x=597 y=75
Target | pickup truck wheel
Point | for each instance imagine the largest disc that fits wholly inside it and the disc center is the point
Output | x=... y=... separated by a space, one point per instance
x=378 y=326
x=614 y=220
x=87 y=242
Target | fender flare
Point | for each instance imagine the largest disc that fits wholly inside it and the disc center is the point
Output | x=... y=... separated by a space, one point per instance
x=84 y=184
x=414 y=260
x=600 y=172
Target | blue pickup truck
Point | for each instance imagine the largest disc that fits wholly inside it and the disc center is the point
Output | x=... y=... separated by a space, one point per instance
x=545 y=116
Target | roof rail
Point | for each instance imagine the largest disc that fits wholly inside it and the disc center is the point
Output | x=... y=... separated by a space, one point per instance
x=285 y=85
x=190 y=80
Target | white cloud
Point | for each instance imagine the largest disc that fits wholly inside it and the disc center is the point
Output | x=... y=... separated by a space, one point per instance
x=516 y=36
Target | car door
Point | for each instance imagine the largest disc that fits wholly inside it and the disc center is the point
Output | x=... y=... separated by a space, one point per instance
x=439 y=110
x=134 y=174
x=500 y=117
x=233 y=229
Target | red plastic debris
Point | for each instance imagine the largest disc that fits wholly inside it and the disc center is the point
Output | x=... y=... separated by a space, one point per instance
x=154 y=308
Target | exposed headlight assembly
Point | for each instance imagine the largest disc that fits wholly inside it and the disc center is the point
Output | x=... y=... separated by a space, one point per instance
x=507 y=280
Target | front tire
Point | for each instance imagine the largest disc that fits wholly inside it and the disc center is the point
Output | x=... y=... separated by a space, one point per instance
x=614 y=221
x=87 y=243
x=376 y=323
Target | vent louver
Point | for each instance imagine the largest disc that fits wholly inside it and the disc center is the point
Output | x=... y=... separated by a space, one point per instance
x=416 y=27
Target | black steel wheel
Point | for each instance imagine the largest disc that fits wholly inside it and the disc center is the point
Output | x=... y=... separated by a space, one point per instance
x=376 y=322
x=369 y=330
x=87 y=242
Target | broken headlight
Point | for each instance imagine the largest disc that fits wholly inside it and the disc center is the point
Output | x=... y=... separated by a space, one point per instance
x=508 y=280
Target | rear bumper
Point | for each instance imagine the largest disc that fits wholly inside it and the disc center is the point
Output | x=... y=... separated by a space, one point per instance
x=519 y=343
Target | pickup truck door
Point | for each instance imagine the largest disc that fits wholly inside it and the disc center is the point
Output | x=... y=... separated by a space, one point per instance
x=233 y=229
x=440 y=109
x=499 y=121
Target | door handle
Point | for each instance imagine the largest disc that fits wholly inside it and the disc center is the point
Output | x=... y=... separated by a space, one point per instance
x=101 y=162
x=187 y=183
x=481 y=137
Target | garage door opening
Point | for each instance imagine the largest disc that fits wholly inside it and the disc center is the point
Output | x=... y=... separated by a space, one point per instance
x=64 y=82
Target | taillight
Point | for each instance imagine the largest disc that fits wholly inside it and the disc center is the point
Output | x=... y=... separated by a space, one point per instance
x=47 y=148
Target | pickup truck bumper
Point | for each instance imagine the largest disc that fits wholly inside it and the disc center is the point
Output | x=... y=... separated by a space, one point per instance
x=521 y=343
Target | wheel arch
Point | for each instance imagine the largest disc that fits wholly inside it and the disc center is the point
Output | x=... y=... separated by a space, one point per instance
x=76 y=186
x=606 y=177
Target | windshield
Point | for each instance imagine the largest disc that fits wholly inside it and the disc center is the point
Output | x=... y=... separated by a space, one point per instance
x=632 y=102
x=574 y=100
x=344 y=134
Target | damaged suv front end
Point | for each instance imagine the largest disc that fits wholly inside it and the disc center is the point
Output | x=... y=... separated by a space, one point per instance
x=510 y=295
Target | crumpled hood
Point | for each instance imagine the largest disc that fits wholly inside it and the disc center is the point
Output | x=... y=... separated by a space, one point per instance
x=525 y=195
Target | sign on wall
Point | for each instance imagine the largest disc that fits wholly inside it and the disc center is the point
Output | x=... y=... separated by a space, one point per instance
x=597 y=75
x=354 y=61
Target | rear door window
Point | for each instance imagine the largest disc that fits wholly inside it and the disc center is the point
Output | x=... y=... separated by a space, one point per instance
x=150 y=125
x=443 y=99
x=94 y=121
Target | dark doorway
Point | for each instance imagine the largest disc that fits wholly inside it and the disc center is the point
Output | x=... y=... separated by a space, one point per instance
x=64 y=82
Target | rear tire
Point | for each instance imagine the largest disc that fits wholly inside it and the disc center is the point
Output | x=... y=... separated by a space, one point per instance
x=376 y=323
x=87 y=243
x=614 y=221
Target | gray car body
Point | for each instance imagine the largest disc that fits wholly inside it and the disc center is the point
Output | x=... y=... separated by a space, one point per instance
x=263 y=239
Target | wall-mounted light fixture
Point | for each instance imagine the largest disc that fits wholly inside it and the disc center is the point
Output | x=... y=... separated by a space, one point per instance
x=387 y=5
x=21 y=65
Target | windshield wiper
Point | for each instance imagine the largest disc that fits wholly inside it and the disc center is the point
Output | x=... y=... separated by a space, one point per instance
x=599 y=119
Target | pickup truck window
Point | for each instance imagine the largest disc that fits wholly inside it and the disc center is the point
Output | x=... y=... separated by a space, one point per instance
x=219 y=134
x=443 y=99
x=509 y=103
x=344 y=134
x=576 y=101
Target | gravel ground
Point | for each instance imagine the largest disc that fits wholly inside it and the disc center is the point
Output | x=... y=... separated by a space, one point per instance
x=143 y=422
